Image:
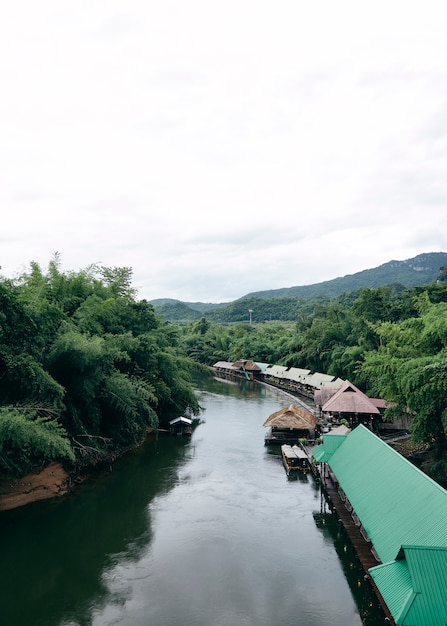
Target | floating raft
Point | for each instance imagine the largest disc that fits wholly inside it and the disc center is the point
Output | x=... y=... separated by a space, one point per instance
x=295 y=459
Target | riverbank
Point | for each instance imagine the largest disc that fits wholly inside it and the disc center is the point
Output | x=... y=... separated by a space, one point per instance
x=51 y=482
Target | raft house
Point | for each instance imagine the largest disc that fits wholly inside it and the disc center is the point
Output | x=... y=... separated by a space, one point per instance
x=396 y=518
x=181 y=426
x=347 y=403
x=242 y=369
x=292 y=379
x=289 y=425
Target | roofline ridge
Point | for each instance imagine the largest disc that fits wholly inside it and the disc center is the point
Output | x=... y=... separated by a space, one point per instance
x=412 y=465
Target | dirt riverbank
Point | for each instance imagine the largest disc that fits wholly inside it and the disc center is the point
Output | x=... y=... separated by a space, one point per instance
x=51 y=482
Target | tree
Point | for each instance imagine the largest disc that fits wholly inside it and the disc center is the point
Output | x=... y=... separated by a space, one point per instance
x=28 y=441
x=83 y=350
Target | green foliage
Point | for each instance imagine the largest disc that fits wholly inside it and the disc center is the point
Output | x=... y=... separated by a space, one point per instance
x=390 y=342
x=287 y=303
x=81 y=345
x=410 y=370
x=442 y=274
x=107 y=366
x=27 y=441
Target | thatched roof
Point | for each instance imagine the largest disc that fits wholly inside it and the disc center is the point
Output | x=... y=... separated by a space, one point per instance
x=292 y=416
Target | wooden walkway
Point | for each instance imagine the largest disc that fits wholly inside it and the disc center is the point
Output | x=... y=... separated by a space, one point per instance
x=361 y=546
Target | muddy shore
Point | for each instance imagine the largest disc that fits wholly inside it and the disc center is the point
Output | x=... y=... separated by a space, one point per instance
x=51 y=482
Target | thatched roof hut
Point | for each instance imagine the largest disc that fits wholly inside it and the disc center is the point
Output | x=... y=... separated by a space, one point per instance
x=292 y=416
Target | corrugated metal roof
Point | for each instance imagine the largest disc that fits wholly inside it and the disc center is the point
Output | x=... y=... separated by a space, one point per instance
x=331 y=443
x=428 y=571
x=296 y=374
x=275 y=370
x=262 y=366
x=317 y=379
x=404 y=513
x=394 y=582
x=415 y=587
x=395 y=501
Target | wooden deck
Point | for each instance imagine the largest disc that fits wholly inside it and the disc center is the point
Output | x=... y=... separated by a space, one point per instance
x=360 y=544
x=362 y=547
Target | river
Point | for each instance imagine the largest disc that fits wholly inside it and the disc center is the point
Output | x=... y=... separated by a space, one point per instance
x=205 y=532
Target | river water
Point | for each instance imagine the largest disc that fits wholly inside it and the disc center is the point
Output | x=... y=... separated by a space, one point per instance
x=206 y=532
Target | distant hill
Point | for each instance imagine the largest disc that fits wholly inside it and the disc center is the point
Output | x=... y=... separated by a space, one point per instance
x=178 y=311
x=283 y=303
x=420 y=270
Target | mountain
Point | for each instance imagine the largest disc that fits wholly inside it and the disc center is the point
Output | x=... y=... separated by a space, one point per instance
x=282 y=304
x=420 y=270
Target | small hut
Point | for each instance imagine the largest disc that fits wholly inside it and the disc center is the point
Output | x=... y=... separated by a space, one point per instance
x=290 y=424
x=181 y=426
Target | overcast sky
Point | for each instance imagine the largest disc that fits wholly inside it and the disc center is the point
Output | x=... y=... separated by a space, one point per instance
x=221 y=148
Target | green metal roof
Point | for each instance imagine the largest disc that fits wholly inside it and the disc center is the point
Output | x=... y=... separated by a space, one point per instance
x=395 y=501
x=415 y=587
x=262 y=366
x=405 y=515
x=394 y=582
x=323 y=453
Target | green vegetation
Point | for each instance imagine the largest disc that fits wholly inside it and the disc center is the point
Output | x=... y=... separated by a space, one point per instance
x=389 y=341
x=285 y=304
x=85 y=368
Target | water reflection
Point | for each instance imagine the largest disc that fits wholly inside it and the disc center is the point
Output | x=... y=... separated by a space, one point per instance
x=335 y=535
x=199 y=533
x=53 y=554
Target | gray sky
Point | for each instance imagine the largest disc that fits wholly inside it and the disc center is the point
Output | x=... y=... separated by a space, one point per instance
x=220 y=148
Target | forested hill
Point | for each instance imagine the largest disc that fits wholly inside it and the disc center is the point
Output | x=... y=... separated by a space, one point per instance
x=282 y=304
x=420 y=270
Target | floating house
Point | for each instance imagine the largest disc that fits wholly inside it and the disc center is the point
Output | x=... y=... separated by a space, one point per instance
x=249 y=369
x=181 y=426
x=348 y=403
x=289 y=425
x=242 y=369
x=402 y=516
x=226 y=369
x=298 y=380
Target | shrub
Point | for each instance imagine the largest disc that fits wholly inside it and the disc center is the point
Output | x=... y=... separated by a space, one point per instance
x=27 y=441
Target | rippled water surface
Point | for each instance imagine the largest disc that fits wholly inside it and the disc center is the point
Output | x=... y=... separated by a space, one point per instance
x=207 y=532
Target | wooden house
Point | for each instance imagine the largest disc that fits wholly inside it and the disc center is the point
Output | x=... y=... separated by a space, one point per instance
x=181 y=426
x=350 y=404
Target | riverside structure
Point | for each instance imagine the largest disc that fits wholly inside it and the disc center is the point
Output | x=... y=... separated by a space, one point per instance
x=400 y=513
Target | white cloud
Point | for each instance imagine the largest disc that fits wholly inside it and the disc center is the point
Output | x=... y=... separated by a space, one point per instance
x=220 y=150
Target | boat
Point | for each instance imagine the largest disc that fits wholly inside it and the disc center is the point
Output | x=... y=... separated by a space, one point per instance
x=181 y=426
x=295 y=459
